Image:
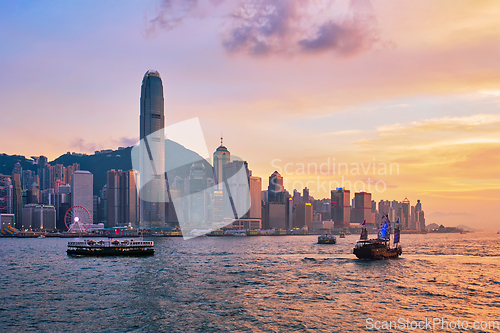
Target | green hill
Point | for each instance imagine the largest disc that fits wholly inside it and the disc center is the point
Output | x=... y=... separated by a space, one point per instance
x=7 y=163
x=179 y=160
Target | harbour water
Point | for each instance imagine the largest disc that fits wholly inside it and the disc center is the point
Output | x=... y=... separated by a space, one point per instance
x=271 y=284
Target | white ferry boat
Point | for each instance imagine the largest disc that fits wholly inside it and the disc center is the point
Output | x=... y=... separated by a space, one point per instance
x=111 y=247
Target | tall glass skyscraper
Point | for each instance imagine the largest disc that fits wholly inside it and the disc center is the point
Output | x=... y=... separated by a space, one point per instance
x=152 y=177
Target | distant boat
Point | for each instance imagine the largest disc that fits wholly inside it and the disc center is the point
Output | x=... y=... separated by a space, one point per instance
x=41 y=236
x=342 y=235
x=379 y=248
x=327 y=239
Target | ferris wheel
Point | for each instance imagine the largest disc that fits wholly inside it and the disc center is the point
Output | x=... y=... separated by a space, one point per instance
x=77 y=219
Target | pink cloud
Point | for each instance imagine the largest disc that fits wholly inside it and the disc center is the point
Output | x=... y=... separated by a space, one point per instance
x=282 y=27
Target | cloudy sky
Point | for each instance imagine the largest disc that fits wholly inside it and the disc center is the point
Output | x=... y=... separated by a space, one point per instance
x=415 y=84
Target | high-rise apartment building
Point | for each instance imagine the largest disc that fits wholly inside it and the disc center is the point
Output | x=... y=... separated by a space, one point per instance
x=82 y=189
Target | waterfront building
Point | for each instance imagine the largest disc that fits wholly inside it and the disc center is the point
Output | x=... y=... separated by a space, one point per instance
x=6 y=220
x=274 y=215
x=303 y=215
x=44 y=218
x=122 y=201
x=6 y=194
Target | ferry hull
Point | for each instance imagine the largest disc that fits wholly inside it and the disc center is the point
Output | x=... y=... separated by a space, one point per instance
x=111 y=252
x=327 y=241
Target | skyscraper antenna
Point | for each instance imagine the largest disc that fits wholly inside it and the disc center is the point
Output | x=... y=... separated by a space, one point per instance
x=221 y=138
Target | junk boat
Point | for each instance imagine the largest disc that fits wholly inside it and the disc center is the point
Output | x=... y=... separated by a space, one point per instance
x=379 y=248
x=327 y=239
x=111 y=247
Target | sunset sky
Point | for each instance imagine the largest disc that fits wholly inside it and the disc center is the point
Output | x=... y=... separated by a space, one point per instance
x=416 y=83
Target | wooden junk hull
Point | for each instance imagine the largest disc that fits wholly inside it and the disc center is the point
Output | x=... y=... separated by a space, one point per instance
x=377 y=253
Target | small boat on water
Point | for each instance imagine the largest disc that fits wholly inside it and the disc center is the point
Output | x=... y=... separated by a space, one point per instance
x=379 y=248
x=111 y=247
x=327 y=239
x=342 y=235
x=41 y=236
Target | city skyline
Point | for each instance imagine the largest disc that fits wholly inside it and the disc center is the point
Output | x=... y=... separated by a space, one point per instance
x=433 y=109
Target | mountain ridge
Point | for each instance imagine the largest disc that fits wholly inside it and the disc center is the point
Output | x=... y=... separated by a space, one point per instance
x=120 y=159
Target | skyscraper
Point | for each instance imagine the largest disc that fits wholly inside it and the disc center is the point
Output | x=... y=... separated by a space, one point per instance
x=197 y=196
x=152 y=122
x=419 y=217
x=238 y=195
x=221 y=157
x=406 y=213
x=363 y=207
x=275 y=189
x=305 y=195
x=122 y=203
x=341 y=208
x=17 y=199
x=255 y=198
x=18 y=169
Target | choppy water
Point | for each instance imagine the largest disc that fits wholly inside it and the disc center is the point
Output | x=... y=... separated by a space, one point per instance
x=272 y=284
